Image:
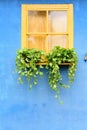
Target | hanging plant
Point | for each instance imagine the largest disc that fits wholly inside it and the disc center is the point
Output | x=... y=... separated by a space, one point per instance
x=55 y=58
x=27 y=65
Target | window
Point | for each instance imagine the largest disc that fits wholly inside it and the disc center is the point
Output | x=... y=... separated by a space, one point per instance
x=45 y=26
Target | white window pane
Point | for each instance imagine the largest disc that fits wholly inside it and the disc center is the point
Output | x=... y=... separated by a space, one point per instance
x=36 y=21
x=57 y=41
x=57 y=21
x=37 y=42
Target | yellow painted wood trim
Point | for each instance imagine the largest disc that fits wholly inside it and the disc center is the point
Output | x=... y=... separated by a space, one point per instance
x=49 y=33
x=70 y=25
x=46 y=44
x=23 y=26
x=47 y=6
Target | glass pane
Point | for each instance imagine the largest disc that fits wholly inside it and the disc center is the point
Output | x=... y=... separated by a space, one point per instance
x=57 y=21
x=57 y=41
x=36 y=21
x=37 y=42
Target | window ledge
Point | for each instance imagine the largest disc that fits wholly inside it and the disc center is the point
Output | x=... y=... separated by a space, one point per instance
x=45 y=63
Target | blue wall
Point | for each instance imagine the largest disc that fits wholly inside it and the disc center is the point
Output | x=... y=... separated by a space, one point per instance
x=22 y=109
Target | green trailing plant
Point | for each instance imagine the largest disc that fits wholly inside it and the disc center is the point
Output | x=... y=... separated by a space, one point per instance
x=27 y=65
x=55 y=58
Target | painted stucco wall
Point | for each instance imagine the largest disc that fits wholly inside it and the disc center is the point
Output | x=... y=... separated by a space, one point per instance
x=22 y=109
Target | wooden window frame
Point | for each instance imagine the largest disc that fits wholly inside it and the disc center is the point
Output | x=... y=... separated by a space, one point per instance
x=46 y=7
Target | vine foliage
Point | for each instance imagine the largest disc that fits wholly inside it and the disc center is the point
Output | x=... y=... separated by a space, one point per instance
x=27 y=66
x=55 y=58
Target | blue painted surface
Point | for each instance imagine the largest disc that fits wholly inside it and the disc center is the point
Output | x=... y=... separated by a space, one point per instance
x=21 y=109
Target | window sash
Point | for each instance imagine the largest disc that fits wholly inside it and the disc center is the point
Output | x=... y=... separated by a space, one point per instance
x=47 y=8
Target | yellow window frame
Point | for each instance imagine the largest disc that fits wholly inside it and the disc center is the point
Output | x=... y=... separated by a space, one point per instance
x=46 y=7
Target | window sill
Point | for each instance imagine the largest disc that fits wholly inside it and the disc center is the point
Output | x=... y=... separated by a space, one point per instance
x=45 y=63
